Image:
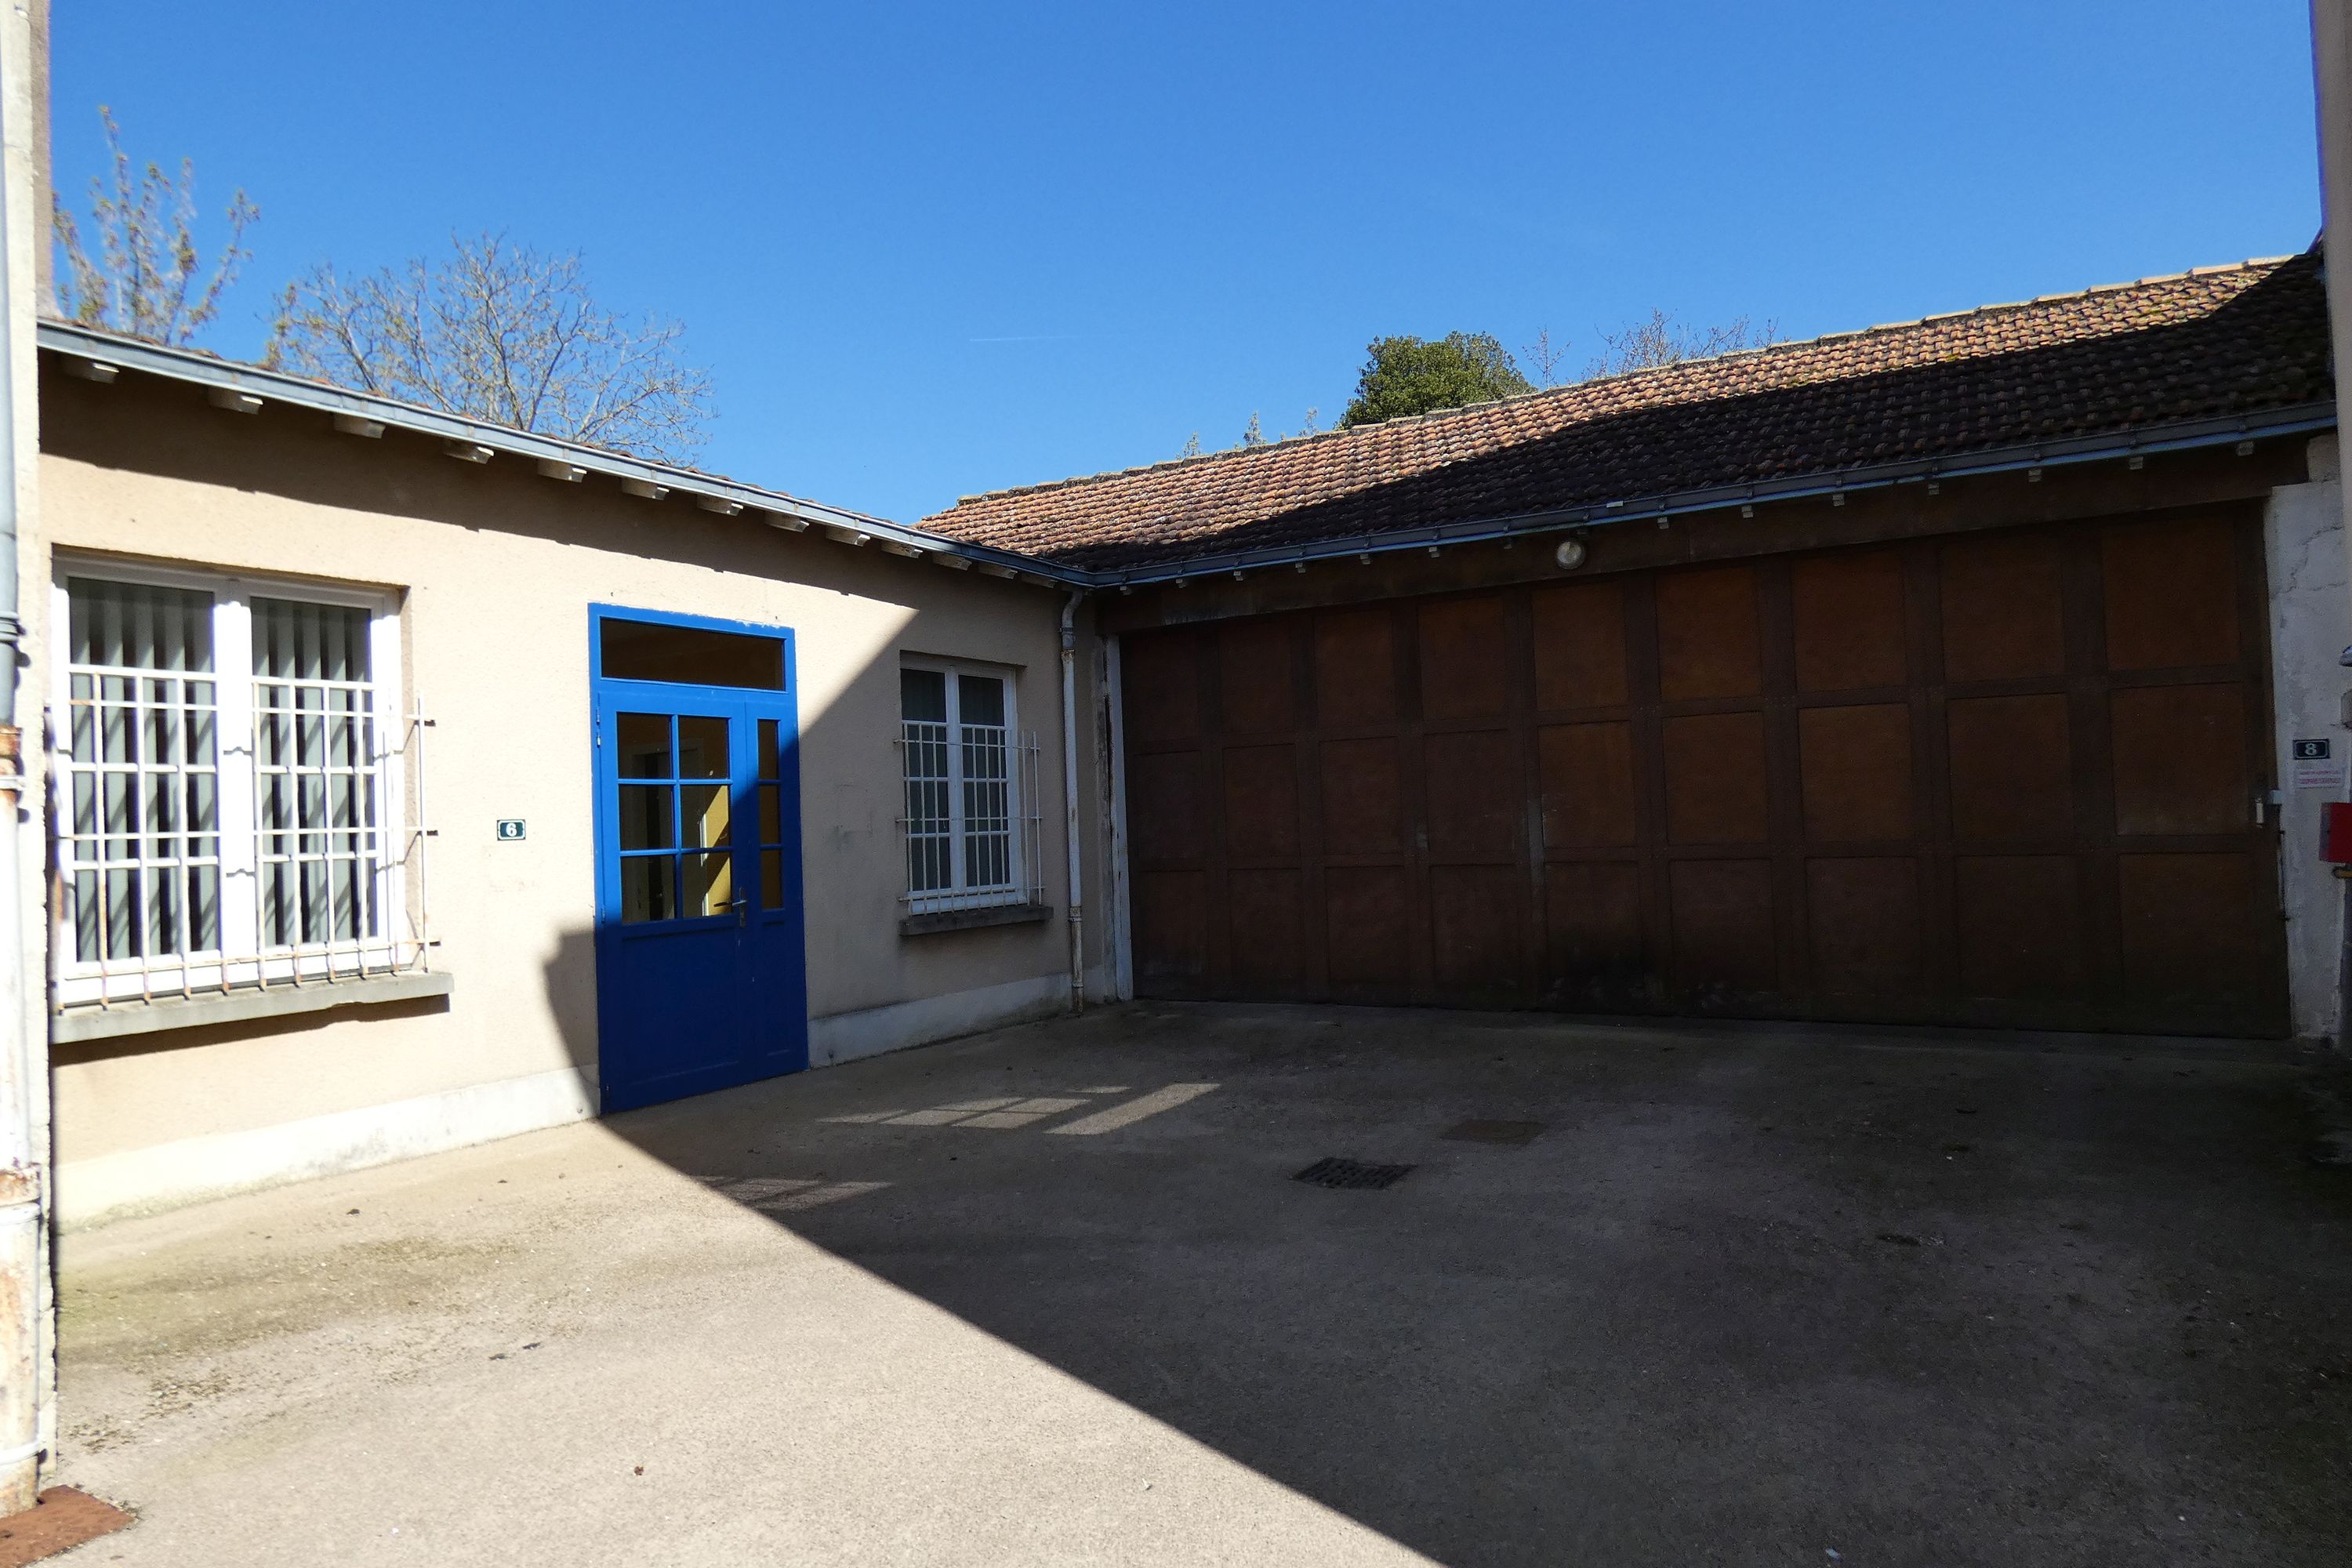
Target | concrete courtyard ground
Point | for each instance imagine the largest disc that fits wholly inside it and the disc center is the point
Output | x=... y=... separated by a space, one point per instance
x=1751 y=1296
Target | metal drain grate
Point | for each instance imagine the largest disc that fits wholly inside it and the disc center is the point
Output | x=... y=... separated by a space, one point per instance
x=1335 y=1172
x=1495 y=1132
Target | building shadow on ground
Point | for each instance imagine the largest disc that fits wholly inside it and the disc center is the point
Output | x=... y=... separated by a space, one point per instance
x=1740 y=1295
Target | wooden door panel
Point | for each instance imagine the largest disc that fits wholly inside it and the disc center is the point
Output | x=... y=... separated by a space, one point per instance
x=2013 y=768
x=1261 y=803
x=1866 y=926
x=2005 y=606
x=1257 y=687
x=2020 y=927
x=1594 y=951
x=1465 y=666
x=2171 y=591
x=1367 y=929
x=1579 y=646
x=1849 y=618
x=1473 y=785
x=1363 y=797
x=1855 y=767
x=1716 y=779
x=1160 y=675
x=1477 y=923
x=1165 y=814
x=1589 y=799
x=1268 y=929
x=1171 y=930
x=1723 y=936
x=1355 y=668
x=1709 y=643
x=2188 y=924
x=2180 y=759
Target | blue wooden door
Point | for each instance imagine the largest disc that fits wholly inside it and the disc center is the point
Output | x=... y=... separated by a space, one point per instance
x=700 y=977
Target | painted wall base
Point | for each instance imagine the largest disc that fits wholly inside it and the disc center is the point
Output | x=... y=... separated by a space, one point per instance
x=189 y=1170
x=870 y=1031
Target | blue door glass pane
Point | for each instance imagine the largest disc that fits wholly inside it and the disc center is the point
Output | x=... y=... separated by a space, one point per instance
x=709 y=885
x=701 y=747
x=642 y=741
x=703 y=813
x=644 y=819
x=649 y=888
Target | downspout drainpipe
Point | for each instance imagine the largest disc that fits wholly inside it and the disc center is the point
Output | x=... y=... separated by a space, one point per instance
x=1070 y=797
x=22 y=1190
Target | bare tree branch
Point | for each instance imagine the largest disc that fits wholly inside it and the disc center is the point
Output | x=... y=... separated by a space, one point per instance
x=501 y=332
x=1545 y=357
x=1659 y=338
x=144 y=280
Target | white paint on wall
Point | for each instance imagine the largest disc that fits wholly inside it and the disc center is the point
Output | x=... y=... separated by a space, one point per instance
x=2311 y=625
x=1120 y=940
x=870 y=1031
x=170 y=1176
x=188 y=1170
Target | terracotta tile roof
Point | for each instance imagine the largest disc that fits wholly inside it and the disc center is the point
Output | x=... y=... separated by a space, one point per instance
x=2218 y=342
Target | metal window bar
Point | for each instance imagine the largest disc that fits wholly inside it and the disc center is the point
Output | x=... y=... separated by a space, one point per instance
x=969 y=825
x=141 y=855
x=929 y=823
x=144 y=910
x=987 y=825
x=319 y=850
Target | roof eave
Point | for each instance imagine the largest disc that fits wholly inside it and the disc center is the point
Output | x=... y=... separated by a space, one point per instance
x=92 y=346
x=2301 y=418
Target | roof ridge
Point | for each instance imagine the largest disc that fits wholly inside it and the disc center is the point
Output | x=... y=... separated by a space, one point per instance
x=1538 y=394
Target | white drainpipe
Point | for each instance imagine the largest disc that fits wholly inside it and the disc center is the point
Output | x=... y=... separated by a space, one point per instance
x=23 y=1219
x=1070 y=798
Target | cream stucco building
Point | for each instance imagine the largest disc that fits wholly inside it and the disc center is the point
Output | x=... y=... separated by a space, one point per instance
x=312 y=910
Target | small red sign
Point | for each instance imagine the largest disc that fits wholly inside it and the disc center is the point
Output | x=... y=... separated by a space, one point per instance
x=2336 y=831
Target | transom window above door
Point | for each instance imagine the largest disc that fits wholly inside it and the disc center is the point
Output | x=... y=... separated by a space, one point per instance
x=970 y=825
x=688 y=655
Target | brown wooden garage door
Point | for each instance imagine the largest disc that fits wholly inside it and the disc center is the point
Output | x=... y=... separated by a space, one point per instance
x=2000 y=778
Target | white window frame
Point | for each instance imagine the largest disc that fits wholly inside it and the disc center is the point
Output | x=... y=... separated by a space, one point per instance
x=242 y=961
x=1019 y=789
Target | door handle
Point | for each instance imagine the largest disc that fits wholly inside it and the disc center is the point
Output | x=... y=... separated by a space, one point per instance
x=742 y=907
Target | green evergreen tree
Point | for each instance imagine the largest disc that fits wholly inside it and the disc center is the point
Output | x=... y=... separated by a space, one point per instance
x=1408 y=375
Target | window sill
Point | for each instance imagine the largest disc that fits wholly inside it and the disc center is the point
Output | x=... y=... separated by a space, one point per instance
x=971 y=919
x=93 y=1023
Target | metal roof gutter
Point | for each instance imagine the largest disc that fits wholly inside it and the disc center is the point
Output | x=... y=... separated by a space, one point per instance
x=2301 y=418
x=101 y=356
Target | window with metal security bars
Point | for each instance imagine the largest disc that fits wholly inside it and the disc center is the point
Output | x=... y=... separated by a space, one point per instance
x=230 y=764
x=142 y=772
x=969 y=775
x=314 y=729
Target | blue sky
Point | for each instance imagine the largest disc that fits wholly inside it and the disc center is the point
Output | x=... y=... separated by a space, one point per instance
x=929 y=249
